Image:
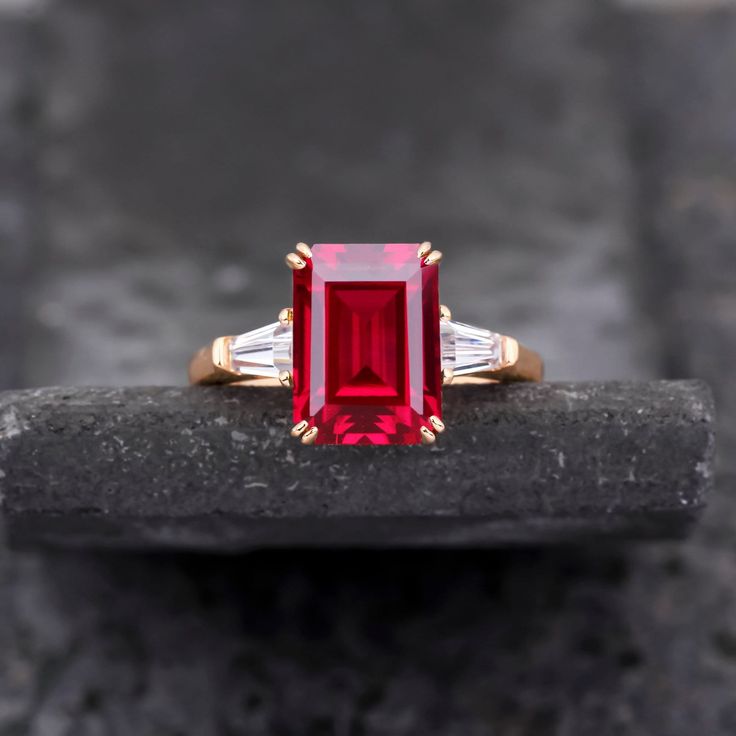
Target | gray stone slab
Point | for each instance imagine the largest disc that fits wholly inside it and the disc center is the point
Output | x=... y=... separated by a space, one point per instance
x=216 y=469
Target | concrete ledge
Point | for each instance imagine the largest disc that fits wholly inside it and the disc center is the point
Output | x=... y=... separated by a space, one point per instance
x=215 y=469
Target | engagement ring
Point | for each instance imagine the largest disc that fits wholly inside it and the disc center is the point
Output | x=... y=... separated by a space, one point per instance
x=366 y=347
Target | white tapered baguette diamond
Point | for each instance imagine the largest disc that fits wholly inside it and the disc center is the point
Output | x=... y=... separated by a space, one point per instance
x=263 y=352
x=467 y=349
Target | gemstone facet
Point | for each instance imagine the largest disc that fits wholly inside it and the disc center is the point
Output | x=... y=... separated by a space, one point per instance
x=262 y=352
x=366 y=344
x=467 y=349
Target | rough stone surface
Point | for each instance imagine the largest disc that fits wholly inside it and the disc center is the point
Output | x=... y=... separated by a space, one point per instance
x=216 y=469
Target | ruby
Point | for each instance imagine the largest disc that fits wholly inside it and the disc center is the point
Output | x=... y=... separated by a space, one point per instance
x=366 y=348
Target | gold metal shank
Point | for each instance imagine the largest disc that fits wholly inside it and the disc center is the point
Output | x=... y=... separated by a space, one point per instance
x=519 y=363
x=212 y=364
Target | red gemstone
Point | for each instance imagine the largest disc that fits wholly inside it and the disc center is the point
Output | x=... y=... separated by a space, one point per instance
x=366 y=346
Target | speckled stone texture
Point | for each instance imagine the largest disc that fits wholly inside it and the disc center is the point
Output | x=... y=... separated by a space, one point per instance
x=534 y=140
x=216 y=469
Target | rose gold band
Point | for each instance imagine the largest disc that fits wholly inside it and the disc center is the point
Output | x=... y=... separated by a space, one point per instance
x=528 y=366
x=212 y=365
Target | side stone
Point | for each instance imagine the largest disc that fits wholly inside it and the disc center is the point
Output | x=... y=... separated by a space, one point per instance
x=265 y=351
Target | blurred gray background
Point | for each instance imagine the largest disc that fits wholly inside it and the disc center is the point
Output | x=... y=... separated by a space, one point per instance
x=575 y=161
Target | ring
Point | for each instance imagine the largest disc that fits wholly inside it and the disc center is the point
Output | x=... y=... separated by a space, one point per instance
x=366 y=347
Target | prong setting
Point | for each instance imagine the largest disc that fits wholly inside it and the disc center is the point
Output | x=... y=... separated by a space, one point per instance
x=286 y=316
x=437 y=424
x=333 y=336
x=445 y=313
x=428 y=436
x=295 y=262
x=304 y=250
x=286 y=379
x=299 y=429
x=447 y=376
x=509 y=350
x=310 y=436
x=434 y=257
x=424 y=249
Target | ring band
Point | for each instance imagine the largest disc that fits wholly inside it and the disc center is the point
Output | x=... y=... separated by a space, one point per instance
x=366 y=347
x=218 y=364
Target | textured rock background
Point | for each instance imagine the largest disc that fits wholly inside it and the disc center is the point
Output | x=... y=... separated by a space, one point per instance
x=576 y=163
x=214 y=468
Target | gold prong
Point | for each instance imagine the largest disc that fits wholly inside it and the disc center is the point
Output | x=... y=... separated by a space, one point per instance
x=303 y=250
x=424 y=249
x=286 y=316
x=298 y=429
x=285 y=379
x=221 y=353
x=428 y=436
x=509 y=350
x=310 y=436
x=447 y=376
x=434 y=257
x=445 y=313
x=294 y=262
x=437 y=424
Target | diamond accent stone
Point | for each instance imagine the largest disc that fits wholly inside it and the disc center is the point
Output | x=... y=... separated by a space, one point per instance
x=467 y=349
x=263 y=352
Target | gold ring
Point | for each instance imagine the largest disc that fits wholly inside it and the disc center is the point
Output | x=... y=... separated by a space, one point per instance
x=366 y=347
